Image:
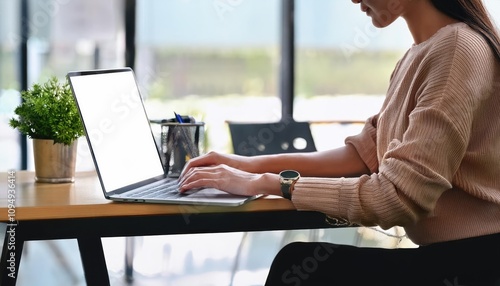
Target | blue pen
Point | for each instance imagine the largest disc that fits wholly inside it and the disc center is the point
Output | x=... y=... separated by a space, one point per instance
x=178 y=117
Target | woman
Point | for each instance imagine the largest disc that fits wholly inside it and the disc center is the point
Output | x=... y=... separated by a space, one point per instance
x=429 y=161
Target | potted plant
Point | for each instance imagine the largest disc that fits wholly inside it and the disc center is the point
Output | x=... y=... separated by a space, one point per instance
x=48 y=115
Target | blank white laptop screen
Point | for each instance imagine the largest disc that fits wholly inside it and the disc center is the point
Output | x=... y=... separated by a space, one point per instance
x=113 y=110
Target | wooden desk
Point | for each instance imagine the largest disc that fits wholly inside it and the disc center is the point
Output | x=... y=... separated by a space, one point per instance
x=79 y=210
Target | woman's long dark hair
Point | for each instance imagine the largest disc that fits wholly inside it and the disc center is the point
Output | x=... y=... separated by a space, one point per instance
x=473 y=13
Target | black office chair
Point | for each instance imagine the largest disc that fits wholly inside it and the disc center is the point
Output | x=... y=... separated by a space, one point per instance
x=288 y=136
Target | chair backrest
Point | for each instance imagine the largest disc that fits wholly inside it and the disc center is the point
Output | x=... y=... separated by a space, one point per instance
x=289 y=136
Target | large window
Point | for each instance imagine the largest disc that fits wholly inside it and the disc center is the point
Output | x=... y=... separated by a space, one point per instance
x=77 y=34
x=62 y=36
x=214 y=60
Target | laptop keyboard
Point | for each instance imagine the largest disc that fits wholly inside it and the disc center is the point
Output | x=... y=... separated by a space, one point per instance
x=166 y=190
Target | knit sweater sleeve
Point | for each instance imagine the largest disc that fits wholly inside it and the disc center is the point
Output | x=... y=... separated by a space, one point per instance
x=420 y=152
x=365 y=143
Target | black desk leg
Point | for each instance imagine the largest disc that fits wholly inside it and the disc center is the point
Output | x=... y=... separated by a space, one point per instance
x=11 y=255
x=93 y=260
x=129 y=258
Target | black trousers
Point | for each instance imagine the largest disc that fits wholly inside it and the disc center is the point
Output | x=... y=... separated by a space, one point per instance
x=466 y=262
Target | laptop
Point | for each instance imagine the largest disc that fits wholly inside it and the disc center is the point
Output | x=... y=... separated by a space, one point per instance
x=122 y=144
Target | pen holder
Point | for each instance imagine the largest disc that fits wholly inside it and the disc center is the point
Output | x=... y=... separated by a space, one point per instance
x=179 y=143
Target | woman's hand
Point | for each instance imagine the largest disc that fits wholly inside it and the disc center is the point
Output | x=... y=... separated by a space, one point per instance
x=227 y=172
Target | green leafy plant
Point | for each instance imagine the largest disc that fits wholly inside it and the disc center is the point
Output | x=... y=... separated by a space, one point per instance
x=48 y=111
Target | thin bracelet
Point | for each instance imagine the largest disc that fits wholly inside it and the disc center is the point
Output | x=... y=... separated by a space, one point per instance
x=338 y=221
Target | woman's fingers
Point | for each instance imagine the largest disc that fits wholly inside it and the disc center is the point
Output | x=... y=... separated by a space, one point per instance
x=211 y=158
x=221 y=177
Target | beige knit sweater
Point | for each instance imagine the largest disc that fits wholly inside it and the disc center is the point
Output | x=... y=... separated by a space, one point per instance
x=433 y=150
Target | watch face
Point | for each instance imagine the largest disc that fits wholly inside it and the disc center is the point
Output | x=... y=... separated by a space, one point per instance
x=289 y=174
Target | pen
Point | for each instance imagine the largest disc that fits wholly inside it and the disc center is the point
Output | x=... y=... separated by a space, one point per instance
x=178 y=118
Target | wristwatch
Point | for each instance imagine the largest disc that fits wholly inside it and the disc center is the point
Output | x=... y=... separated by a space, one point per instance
x=288 y=178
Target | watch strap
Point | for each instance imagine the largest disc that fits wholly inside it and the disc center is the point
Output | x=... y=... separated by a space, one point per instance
x=286 y=191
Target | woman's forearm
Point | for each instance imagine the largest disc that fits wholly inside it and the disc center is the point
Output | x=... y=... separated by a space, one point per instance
x=340 y=162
